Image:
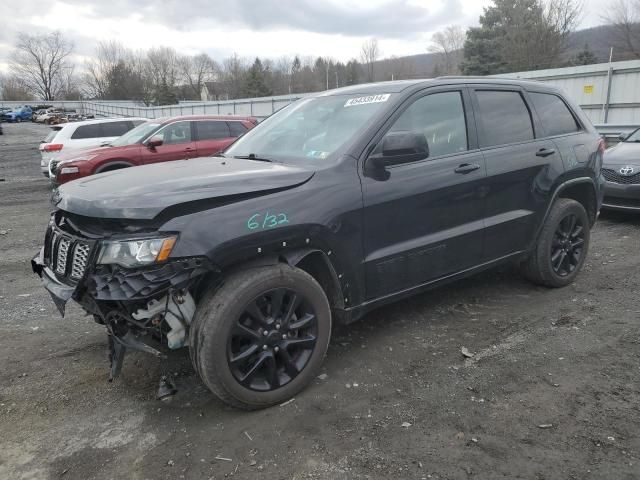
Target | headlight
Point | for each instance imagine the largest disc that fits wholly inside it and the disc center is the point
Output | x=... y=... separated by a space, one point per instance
x=67 y=170
x=135 y=253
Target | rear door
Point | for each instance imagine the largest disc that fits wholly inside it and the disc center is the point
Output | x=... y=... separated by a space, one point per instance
x=85 y=136
x=113 y=130
x=424 y=220
x=212 y=136
x=177 y=143
x=558 y=122
x=521 y=166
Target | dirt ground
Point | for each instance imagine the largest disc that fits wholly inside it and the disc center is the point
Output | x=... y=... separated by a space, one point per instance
x=552 y=392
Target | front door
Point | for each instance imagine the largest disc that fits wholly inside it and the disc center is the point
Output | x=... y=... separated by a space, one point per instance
x=424 y=220
x=177 y=144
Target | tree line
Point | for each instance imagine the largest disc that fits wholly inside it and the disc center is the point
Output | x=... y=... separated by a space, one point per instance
x=512 y=35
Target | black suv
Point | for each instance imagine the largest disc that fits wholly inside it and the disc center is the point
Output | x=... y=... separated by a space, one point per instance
x=339 y=203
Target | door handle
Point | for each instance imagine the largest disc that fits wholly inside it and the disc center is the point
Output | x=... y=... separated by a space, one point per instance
x=545 y=152
x=467 y=168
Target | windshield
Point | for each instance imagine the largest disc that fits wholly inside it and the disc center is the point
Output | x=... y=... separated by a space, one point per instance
x=634 y=137
x=311 y=128
x=135 y=135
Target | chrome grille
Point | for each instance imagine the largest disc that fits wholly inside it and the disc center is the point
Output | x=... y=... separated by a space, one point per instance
x=61 y=255
x=80 y=259
x=616 y=177
x=67 y=255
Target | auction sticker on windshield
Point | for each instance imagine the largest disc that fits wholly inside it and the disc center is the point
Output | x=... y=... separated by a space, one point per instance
x=368 y=99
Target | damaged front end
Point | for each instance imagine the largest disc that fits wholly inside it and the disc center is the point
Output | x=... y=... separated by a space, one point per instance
x=122 y=275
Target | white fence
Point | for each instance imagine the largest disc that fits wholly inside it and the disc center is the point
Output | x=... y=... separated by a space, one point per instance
x=608 y=94
x=250 y=107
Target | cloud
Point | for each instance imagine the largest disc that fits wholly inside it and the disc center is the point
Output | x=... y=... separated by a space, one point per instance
x=381 y=18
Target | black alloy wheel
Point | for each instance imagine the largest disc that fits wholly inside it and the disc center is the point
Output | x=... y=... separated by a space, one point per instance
x=260 y=337
x=272 y=340
x=567 y=246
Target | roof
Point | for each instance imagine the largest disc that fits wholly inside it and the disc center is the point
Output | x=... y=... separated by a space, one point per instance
x=203 y=117
x=398 y=86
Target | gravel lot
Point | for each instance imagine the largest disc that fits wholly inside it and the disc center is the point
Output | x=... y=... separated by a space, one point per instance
x=552 y=391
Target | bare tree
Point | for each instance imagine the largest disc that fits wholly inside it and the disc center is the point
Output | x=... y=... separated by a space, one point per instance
x=624 y=17
x=40 y=62
x=99 y=69
x=11 y=88
x=448 y=44
x=234 y=70
x=369 y=54
x=196 y=70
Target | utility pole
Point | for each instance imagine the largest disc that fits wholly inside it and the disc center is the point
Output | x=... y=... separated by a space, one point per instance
x=336 y=78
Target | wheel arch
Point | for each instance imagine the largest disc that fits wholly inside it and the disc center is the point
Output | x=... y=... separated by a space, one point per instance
x=314 y=261
x=114 y=164
x=582 y=190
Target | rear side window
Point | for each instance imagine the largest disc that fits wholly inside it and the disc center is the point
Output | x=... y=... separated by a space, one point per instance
x=236 y=128
x=556 y=117
x=87 y=131
x=212 y=130
x=505 y=117
x=115 y=129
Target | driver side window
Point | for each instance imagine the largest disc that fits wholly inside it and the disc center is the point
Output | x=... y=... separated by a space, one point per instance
x=440 y=117
x=179 y=132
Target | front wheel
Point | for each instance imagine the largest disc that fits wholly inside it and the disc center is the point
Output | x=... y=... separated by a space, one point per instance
x=562 y=246
x=262 y=336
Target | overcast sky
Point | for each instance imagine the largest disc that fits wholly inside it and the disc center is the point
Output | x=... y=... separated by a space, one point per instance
x=265 y=28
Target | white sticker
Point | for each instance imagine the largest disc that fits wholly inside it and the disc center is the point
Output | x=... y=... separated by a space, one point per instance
x=368 y=99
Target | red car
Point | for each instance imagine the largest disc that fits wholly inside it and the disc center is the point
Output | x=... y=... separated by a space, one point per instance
x=158 y=140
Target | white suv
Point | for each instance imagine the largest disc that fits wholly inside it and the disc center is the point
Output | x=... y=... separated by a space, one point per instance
x=80 y=135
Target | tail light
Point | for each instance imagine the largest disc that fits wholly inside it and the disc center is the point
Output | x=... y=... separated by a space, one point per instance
x=53 y=147
x=602 y=145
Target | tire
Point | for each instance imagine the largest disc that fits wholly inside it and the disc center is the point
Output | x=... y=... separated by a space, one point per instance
x=562 y=246
x=18 y=120
x=227 y=343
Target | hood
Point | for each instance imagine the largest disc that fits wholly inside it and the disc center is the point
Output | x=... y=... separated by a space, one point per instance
x=624 y=153
x=144 y=192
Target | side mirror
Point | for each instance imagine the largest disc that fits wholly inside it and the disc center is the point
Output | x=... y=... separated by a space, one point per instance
x=154 y=142
x=622 y=137
x=400 y=147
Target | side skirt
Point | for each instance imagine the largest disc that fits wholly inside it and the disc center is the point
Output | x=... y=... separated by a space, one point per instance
x=352 y=314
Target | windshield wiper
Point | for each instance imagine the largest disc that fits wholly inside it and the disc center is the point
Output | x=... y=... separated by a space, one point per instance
x=253 y=156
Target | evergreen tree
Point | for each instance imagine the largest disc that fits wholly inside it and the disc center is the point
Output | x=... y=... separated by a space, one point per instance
x=519 y=35
x=256 y=84
x=584 y=57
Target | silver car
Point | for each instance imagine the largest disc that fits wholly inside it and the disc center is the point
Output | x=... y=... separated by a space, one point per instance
x=621 y=170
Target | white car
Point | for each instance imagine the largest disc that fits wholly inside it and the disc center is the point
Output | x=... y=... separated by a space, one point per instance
x=81 y=135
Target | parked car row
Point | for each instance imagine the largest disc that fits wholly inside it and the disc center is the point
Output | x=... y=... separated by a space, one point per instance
x=57 y=116
x=19 y=114
x=80 y=149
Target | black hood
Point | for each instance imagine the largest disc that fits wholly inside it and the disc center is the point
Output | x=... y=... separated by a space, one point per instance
x=144 y=192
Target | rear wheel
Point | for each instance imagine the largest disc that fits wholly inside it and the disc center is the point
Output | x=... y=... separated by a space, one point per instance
x=262 y=336
x=562 y=246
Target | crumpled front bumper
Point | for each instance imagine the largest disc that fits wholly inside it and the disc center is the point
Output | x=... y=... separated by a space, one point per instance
x=60 y=292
